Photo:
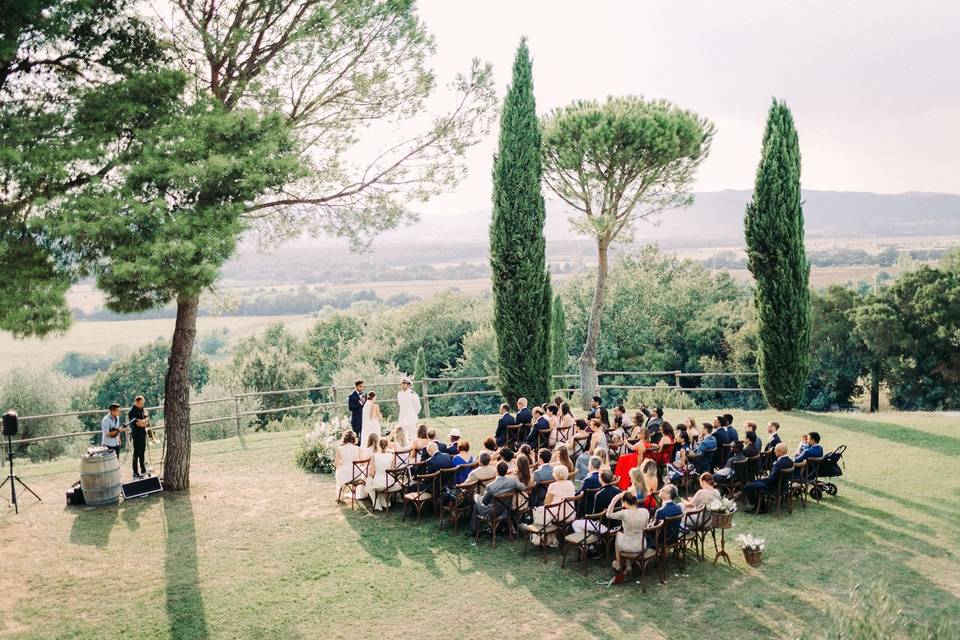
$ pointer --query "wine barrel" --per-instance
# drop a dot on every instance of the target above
(100, 477)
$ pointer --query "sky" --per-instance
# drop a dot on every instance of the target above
(873, 85)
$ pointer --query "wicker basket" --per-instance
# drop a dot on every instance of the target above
(752, 556)
(721, 520)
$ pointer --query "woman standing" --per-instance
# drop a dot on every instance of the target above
(371, 417)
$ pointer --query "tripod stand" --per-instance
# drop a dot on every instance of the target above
(13, 479)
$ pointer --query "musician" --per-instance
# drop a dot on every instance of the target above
(138, 421)
(110, 429)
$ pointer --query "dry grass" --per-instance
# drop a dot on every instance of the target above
(257, 549)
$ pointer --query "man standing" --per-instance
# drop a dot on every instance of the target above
(355, 404)
(110, 429)
(137, 418)
(409, 403)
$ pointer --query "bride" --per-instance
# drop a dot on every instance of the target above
(371, 417)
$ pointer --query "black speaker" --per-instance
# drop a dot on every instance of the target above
(10, 423)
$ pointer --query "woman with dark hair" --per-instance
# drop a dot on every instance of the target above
(567, 422)
(707, 493)
(525, 452)
(562, 457)
(463, 457)
(524, 474)
(490, 446)
(343, 460)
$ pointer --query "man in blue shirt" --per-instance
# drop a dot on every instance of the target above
(110, 428)
(813, 450)
(703, 455)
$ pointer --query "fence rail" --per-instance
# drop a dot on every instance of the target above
(236, 415)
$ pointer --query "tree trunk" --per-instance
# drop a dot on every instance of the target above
(176, 397)
(875, 387)
(588, 359)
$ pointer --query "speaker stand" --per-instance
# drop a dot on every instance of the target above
(13, 480)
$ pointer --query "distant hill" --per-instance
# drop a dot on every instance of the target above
(716, 218)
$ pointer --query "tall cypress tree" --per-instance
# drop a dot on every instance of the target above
(778, 261)
(521, 282)
(558, 342)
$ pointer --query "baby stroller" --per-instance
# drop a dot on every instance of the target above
(829, 468)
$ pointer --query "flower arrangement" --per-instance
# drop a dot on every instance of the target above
(316, 453)
(749, 542)
(722, 506)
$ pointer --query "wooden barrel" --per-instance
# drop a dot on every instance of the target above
(100, 477)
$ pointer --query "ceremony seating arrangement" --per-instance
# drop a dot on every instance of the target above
(521, 492)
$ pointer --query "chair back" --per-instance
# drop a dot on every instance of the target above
(503, 503)
(813, 468)
(589, 498)
(671, 529)
(740, 470)
(360, 470)
(752, 470)
(783, 481)
(655, 532)
(397, 479)
(563, 433)
(447, 477)
(693, 519)
(513, 433)
(401, 457)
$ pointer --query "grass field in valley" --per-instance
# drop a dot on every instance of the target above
(258, 549)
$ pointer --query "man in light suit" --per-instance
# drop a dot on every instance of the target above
(355, 404)
(753, 489)
(485, 503)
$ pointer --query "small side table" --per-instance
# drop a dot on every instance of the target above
(722, 522)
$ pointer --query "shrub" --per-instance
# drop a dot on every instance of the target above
(81, 365)
(33, 392)
(213, 342)
(316, 453)
(225, 428)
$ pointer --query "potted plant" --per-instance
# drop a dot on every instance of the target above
(752, 548)
(721, 510)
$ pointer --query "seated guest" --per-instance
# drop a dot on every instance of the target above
(654, 420)
(343, 460)
(582, 465)
(597, 503)
(561, 489)
(505, 421)
(505, 454)
(432, 437)
(598, 411)
(727, 473)
(813, 448)
(453, 438)
(540, 425)
(751, 426)
(567, 421)
(523, 413)
(490, 446)
(668, 509)
(720, 432)
(773, 428)
(580, 433)
(732, 434)
(592, 481)
(622, 419)
(753, 489)
(753, 444)
(436, 461)
(526, 452)
(484, 471)
(562, 457)
(702, 456)
(707, 493)
(463, 457)
(809, 447)
(667, 444)
(631, 538)
(648, 470)
(485, 503)
(545, 469)
(524, 473)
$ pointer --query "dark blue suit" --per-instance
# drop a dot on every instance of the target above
(669, 510)
(505, 421)
(541, 425)
(774, 441)
(524, 416)
(592, 481)
(355, 404)
(732, 433)
(437, 462)
(603, 499)
(769, 483)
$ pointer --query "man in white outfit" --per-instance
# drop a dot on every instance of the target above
(409, 403)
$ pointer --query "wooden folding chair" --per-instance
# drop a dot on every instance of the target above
(694, 528)
(677, 546)
(463, 502)
(780, 494)
(397, 483)
(421, 494)
(650, 554)
(499, 513)
(798, 482)
(358, 478)
(515, 433)
(591, 535)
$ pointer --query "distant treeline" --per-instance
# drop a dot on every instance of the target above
(268, 303)
(837, 257)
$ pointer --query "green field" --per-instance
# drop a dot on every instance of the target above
(258, 549)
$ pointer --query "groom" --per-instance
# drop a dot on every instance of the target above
(355, 404)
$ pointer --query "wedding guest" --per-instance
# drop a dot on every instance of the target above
(540, 425)
(561, 489)
(597, 410)
(707, 493)
(419, 444)
(727, 474)
(591, 481)
(343, 460)
(732, 434)
(648, 468)
(773, 429)
(453, 438)
(597, 503)
(545, 469)
(526, 451)
(484, 471)
(562, 456)
(524, 474)
(505, 454)
(398, 439)
(553, 417)
(463, 457)
(436, 461)
(567, 421)
(490, 446)
(523, 413)
(749, 426)
(377, 474)
(752, 490)
(669, 509)
(634, 520)
(753, 444)
(506, 420)
(502, 484)
(370, 446)
(812, 449)
(702, 456)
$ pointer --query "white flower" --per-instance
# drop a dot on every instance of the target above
(750, 542)
(722, 505)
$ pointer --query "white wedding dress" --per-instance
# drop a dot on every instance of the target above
(369, 425)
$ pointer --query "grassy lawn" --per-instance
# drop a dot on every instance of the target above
(258, 549)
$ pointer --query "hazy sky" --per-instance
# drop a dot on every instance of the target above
(873, 85)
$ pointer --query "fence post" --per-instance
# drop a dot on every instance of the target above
(426, 398)
(676, 378)
(236, 416)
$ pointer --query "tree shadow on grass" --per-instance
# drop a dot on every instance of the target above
(946, 445)
(185, 614)
(950, 516)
